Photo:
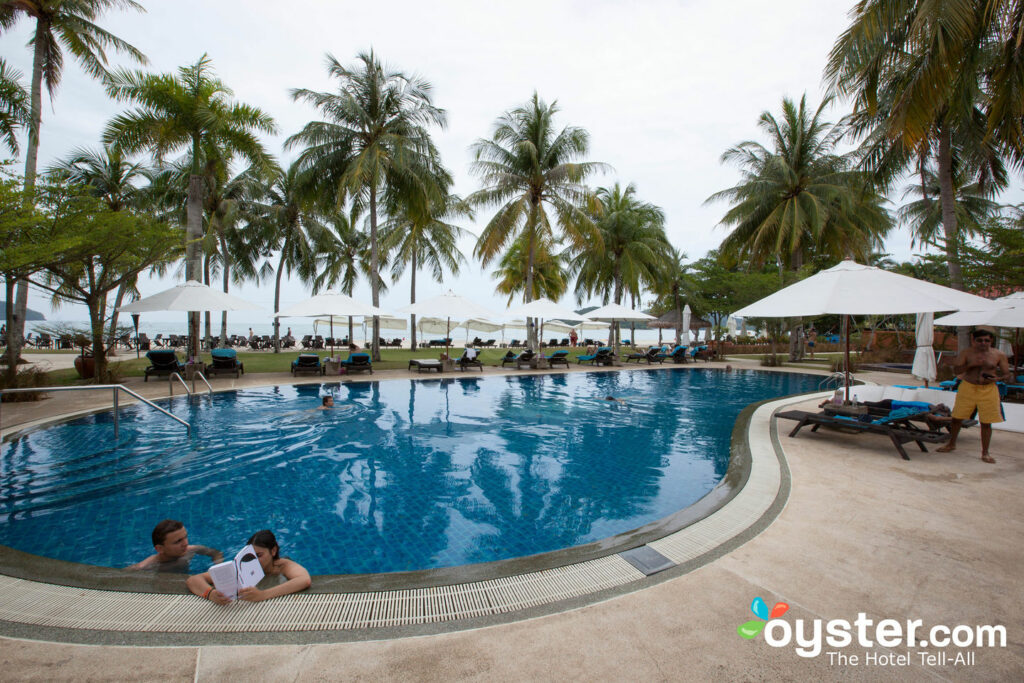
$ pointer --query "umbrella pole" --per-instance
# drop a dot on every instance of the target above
(332, 336)
(846, 359)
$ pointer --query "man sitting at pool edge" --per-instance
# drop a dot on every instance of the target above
(173, 553)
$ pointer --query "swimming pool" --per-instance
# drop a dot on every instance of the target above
(401, 475)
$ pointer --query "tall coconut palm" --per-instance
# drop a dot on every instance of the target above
(374, 144)
(112, 177)
(672, 284)
(190, 111)
(415, 239)
(14, 110)
(528, 168)
(67, 24)
(974, 203)
(799, 196)
(922, 71)
(291, 223)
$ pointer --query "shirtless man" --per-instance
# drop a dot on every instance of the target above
(173, 553)
(979, 368)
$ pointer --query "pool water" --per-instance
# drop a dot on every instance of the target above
(400, 475)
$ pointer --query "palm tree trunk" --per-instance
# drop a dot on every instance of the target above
(226, 280)
(99, 355)
(118, 298)
(679, 315)
(949, 223)
(206, 315)
(16, 330)
(277, 298)
(374, 284)
(412, 298)
(13, 340)
(531, 331)
(193, 255)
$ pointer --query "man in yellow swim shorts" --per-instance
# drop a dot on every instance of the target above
(979, 368)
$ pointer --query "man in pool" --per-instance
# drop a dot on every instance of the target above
(979, 368)
(327, 403)
(173, 553)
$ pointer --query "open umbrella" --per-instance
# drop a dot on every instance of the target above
(480, 325)
(190, 296)
(545, 309)
(329, 305)
(448, 305)
(1009, 313)
(616, 312)
(854, 289)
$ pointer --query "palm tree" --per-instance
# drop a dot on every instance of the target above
(14, 109)
(974, 204)
(414, 238)
(110, 176)
(527, 168)
(550, 272)
(673, 282)
(925, 75)
(291, 222)
(71, 25)
(189, 111)
(373, 145)
(799, 197)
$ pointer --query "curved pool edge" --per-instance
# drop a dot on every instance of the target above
(358, 608)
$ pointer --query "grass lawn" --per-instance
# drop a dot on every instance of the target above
(258, 362)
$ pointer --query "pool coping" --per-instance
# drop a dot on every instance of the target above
(669, 536)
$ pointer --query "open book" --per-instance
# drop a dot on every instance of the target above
(242, 572)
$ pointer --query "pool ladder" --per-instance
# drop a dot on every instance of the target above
(195, 373)
(114, 388)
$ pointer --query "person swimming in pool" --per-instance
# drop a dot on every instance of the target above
(612, 398)
(281, 576)
(173, 552)
(327, 403)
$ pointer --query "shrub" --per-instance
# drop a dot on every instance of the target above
(27, 378)
(771, 360)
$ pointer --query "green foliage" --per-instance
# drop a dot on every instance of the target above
(719, 290)
(14, 106)
(799, 198)
(24, 379)
(995, 264)
(550, 273)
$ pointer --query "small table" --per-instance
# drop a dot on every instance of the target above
(192, 368)
(332, 367)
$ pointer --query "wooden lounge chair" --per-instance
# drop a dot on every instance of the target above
(225, 361)
(899, 430)
(308, 362)
(422, 364)
(603, 356)
(470, 358)
(678, 354)
(524, 358)
(652, 355)
(509, 357)
(357, 362)
(162, 363)
(559, 358)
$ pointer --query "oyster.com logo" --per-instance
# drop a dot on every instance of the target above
(759, 607)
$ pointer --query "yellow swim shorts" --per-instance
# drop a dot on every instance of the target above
(984, 397)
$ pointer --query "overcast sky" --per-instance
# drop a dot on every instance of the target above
(662, 87)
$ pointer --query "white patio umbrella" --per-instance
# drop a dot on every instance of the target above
(448, 305)
(1009, 314)
(428, 325)
(924, 356)
(190, 296)
(330, 305)
(684, 338)
(545, 309)
(730, 326)
(854, 289)
(480, 325)
(616, 312)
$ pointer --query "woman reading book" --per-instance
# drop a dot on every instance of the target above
(281, 575)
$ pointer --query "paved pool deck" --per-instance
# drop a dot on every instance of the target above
(936, 538)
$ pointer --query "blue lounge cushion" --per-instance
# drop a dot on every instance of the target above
(223, 354)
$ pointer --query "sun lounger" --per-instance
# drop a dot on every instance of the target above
(225, 361)
(678, 354)
(524, 358)
(308, 362)
(559, 358)
(422, 364)
(603, 356)
(357, 362)
(162, 363)
(469, 359)
(509, 357)
(898, 429)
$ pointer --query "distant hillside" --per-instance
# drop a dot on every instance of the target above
(30, 315)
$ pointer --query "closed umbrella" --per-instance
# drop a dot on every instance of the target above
(924, 357)
(684, 338)
(190, 296)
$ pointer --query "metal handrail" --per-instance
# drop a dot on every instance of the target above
(114, 387)
(209, 387)
(170, 383)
